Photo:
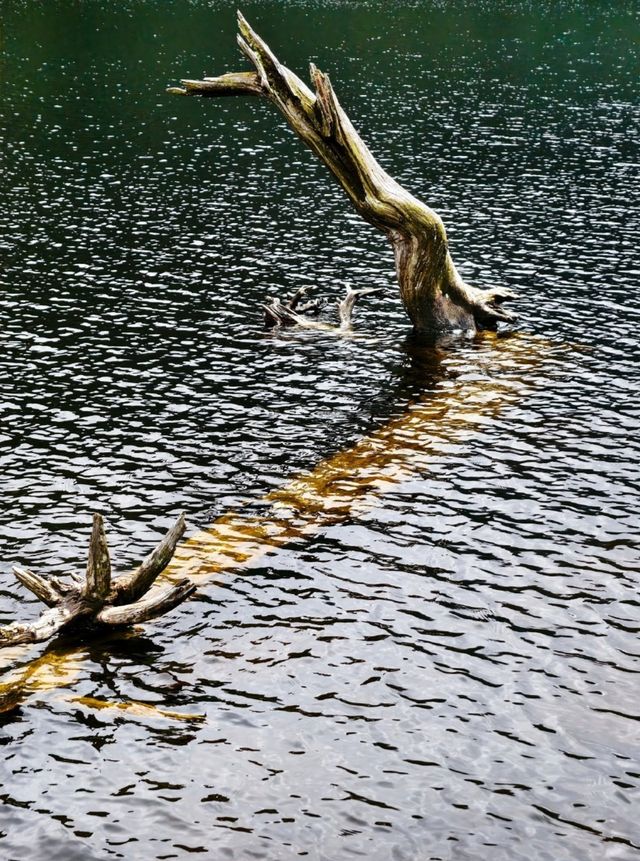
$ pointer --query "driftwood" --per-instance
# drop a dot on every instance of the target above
(434, 294)
(99, 601)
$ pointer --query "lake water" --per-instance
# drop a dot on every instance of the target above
(445, 668)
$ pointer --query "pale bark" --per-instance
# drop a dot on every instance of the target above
(99, 601)
(436, 298)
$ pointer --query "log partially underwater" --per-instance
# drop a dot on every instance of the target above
(293, 313)
(434, 294)
(99, 601)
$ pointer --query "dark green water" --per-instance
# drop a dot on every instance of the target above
(452, 674)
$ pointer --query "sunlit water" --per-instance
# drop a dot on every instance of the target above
(449, 671)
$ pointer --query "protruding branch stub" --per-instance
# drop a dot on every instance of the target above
(98, 601)
(98, 577)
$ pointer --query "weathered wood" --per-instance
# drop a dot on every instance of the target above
(50, 623)
(44, 590)
(345, 308)
(97, 601)
(277, 313)
(129, 588)
(148, 607)
(434, 294)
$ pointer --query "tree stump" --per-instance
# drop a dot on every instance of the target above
(434, 294)
(99, 602)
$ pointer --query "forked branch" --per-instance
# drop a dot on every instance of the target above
(99, 601)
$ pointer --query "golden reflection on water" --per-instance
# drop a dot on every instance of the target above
(341, 486)
(51, 670)
(135, 709)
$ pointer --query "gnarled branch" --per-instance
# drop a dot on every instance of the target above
(148, 607)
(98, 577)
(130, 588)
(434, 295)
(46, 591)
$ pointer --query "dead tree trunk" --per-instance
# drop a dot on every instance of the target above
(435, 296)
(99, 602)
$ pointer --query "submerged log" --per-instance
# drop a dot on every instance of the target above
(343, 486)
(99, 602)
(434, 294)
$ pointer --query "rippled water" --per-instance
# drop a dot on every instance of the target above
(443, 663)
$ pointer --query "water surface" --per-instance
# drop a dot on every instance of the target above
(446, 672)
